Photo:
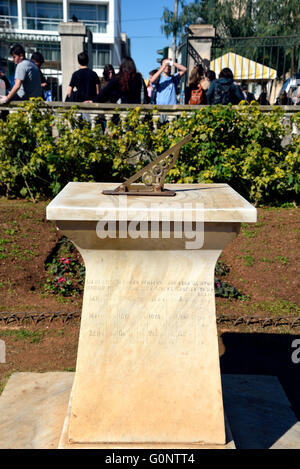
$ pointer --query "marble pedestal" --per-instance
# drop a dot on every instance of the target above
(147, 372)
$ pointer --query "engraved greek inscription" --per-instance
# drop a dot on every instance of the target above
(182, 316)
(133, 282)
(99, 288)
(118, 333)
(153, 316)
(96, 316)
(122, 316)
(96, 333)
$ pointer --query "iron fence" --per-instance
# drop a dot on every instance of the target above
(231, 320)
(275, 60)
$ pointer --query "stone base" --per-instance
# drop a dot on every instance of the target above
(64, 442)
(33, 409)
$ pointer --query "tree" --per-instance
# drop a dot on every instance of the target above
(280, 18)
(237, 18)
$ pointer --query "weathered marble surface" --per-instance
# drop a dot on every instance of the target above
(148, 366)
(32, 410)
(84, 201)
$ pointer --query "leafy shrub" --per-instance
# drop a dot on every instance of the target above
(239, 146)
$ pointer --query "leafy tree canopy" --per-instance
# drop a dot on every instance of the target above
(237, 18)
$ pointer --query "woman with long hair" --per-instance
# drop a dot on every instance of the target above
(127, 87)
(108, 72)
(194, 84)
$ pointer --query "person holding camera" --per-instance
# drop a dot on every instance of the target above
(166, 83)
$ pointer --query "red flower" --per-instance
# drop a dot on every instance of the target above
(64, 260)
(61, 280)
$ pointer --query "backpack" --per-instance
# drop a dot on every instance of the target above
(197, 96)
(175, 82)
(153, 95)
(224, 93)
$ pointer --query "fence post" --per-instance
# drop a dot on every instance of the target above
(72, 43)
(199, 45)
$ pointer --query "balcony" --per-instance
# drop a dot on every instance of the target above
(41, 24)
(51, 24)
(95, 26)
(8, 23)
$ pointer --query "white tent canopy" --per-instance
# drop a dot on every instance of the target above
(242, 68)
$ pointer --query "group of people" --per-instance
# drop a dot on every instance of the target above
(204, 88)
(125, 87)
(128, 86)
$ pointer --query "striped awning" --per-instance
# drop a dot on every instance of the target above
(242, 68)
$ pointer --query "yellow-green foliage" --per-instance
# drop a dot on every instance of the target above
(239, 146)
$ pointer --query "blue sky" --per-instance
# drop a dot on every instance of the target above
(141, 20)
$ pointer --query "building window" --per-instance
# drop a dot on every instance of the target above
(51, 52)
(43, 15)
(101, 55)
(8, 13)
(94, 16)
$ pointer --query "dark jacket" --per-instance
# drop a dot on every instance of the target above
(113, 92)
(224, 91)
(249, 97)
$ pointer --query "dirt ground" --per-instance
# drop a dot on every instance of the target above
(264, 262)
(264, 266)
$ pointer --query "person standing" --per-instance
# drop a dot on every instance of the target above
(166, 83)
(248, 96)
(85, 83)
(151, 88)
(263, 97)
(6, 85)
(223, 90)
(108, 74)
(194, 93)
(209, 77)
(27, 78)
(38, 59)
(127, 87)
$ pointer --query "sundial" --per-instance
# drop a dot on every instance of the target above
(152, 175)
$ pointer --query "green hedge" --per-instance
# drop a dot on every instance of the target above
(239, 146)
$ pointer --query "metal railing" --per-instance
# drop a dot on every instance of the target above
(276, 59)
(8, 22)
(281, 53)
(95, 26)
(41, 24)
(51, 24)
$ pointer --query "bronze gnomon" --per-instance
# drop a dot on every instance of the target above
(152, 175)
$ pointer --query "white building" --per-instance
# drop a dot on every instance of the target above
(33, 23)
